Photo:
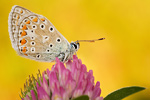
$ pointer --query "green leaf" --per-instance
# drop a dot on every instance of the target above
(83, 97)
(123, 92)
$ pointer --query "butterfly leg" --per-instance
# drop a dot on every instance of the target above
(61, 56)
(75, 53)
(67, 57)
(53, 66)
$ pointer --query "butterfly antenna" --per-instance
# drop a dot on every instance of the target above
(89, 40)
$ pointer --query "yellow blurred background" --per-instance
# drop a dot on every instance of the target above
(122, 59)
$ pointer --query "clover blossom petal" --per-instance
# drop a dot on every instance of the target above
(63, 83)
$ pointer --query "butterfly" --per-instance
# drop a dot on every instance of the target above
(34, 36)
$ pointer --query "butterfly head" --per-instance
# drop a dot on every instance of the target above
(75, 46)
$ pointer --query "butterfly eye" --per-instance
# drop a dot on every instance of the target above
(75, 46)
(51, 29)
(42, 26)
(58, 40)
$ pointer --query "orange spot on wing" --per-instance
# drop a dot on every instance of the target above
(21, 11)
(42, 19)
(17, 23)
(28, 22)
(25, 54)
(18, 17)
(23, 33)
(23, 41)
(24, 27)
(35, 19)
(24, 49)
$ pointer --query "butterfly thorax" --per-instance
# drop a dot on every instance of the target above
(73, 48)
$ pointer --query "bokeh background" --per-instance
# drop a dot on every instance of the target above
(122, 59)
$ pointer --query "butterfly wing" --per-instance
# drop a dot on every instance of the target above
(33, 36)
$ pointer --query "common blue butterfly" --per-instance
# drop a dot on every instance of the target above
(33, 36)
